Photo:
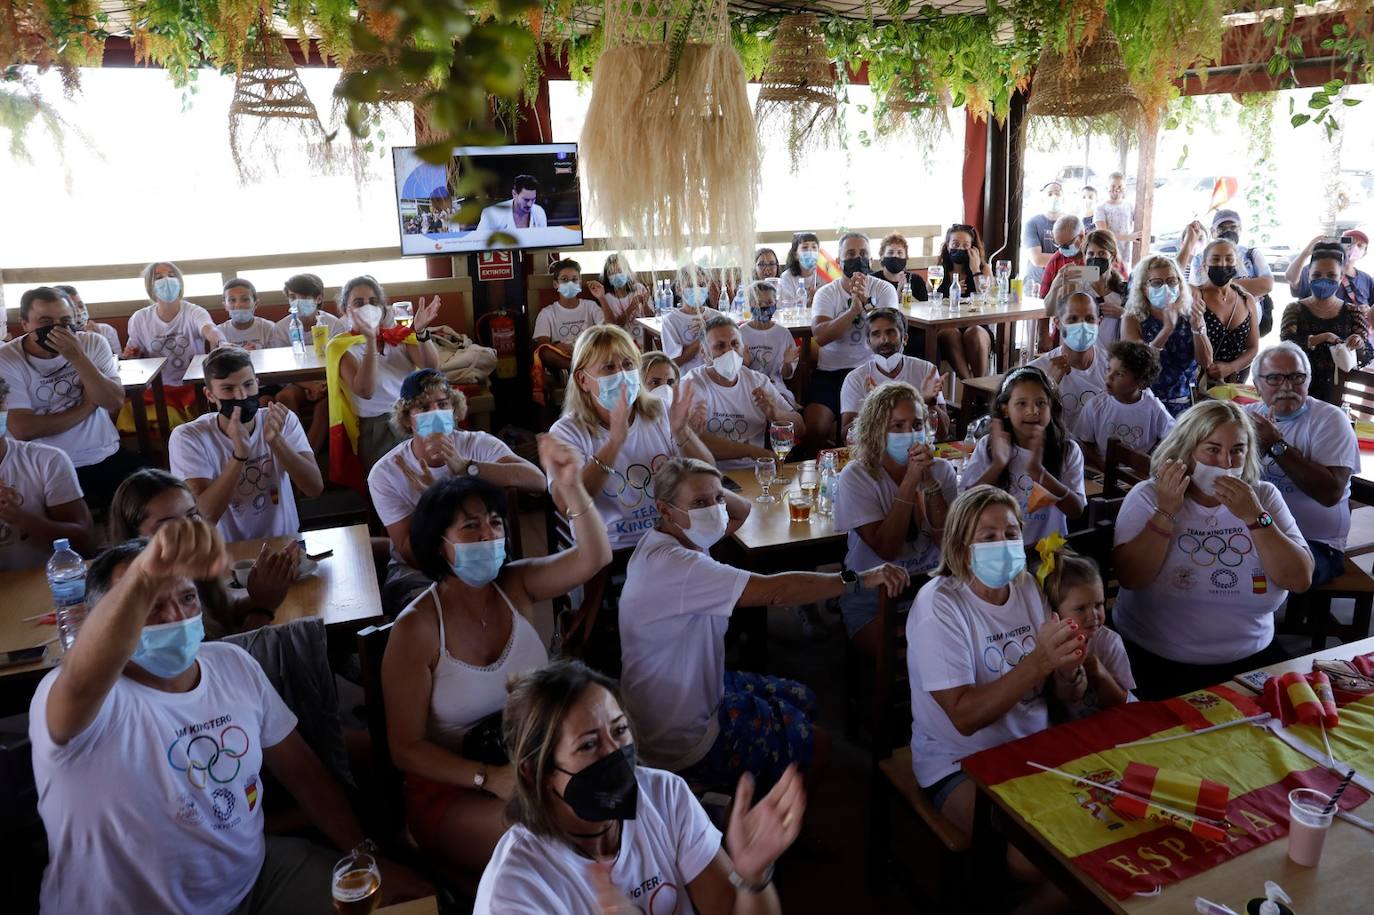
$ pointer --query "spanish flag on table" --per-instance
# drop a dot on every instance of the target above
(345, 468)
(1128, 853)
(1297, 698)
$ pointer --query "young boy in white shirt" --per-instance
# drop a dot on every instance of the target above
(1129, 410)
(559, 324)
(244, 328)
(769, 348)
(305, 294)
(242, 466)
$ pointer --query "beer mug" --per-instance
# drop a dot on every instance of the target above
(357, 884)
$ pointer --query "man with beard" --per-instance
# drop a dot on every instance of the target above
(886, 335)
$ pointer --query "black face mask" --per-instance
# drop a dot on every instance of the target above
(1231, 235)
(605, 790)
(40, 336)
(248, 407)
(1220, 276)
(1101, 263)
(894, 264)
(853, 265)
(959, 255)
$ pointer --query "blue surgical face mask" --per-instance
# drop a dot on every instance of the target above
(620, 280)
(478, 564)
(167, 649)
(241, 315)
(569, 290)
(1080, 337)
(1324, 288)
(167, 289)
(694, 296)
(899, 444)
(608, 388)
(434, 422)
(998, 563)
(1163, 296)
(808, 259)
(1278, 418)
(1069, 250)
(763, 314)
(304, 307)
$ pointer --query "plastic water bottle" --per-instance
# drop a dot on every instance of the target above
(954, 293)
(297, 333)
(827, 485)
(738, 304)
(67, 581)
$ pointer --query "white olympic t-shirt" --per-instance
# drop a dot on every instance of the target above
(867, 376)
(1212, 602)
(681, 330)
(731, 412)
(1140, 425)
(1080, 386)
(562, 325)
(664, 848)
(43, 476)
(263, 503)
(863, 499)
(956, 638)
(259, 333)
(626, 499)
(1038, 523)
(770, 348)
(110, 335)
(392, 368)
(1322, 434)
(156, 807)
(178, 340)
(399, 478)
(674, 611)
(53, 385)
(851, 348)
(1110, 652)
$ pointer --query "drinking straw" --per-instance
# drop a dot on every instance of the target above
(1340, 789)
(1215, 824)
(1253, 719)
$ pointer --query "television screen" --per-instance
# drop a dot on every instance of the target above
(529, 194)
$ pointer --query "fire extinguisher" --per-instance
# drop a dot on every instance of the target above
(500, 336)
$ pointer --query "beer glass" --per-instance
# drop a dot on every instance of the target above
(357, 884)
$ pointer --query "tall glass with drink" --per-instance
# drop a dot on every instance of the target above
(357, 884)
(781, 437)
(765, 471)
(1308, 823)
(403, 312)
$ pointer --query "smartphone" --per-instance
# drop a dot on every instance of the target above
(1089, 274)
(22, 656)
(315, 551)
(730, 484)
(1347, 241)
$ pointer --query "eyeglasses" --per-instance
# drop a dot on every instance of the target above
(1275, 379)
(1160, 284)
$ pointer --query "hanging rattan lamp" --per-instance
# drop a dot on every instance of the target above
(797, 97)
(1096, 84)
(271, 109)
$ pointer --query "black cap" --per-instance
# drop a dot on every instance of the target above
(415, 382)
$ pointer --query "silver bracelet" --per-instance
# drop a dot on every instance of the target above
(745, 886)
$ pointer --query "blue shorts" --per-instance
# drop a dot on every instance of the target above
(858, 610)
(941, 790)
(765, 725)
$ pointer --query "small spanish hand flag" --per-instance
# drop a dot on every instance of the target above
(1038, 498)
(1295, 698)
(1156, 789)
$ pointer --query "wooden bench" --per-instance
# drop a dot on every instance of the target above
(1310, 613)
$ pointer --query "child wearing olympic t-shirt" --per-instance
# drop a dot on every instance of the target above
(1130, 412)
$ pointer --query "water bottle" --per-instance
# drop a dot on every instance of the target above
(954, 293)
(738, 304)
(297, 333)
(67, 581)
(829, 482)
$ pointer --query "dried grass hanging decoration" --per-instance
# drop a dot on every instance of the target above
(669, 148)
(797, 100)
(1089, 83)
(271, 112)
(922, 115)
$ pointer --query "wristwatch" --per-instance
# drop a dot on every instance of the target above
(473, 469)
(745, 886)
(422, 336)
(479, 780)
(1277, 450)
(1264, 520)
(852, 585)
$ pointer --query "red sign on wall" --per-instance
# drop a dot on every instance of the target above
(495, 265)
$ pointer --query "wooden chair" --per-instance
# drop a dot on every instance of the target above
(892, 777)
(1310, 613)
(1356, 390)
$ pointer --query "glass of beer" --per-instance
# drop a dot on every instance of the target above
(357, 884)
(809, 481)
(782, 436)
(404, 312)
(799, 507)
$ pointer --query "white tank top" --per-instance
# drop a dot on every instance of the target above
(464, 694)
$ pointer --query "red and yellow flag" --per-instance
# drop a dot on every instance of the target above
(1296, 698)
(1222, 192)
(345, 468)
(1156, 793)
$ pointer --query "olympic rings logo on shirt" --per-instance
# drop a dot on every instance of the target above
(734, 427)
(1127, 433)
(630, 487)
(1212, 549)
(998, 659)
(203, 759)
(1075, 402)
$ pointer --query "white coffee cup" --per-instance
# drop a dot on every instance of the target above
(241, 570)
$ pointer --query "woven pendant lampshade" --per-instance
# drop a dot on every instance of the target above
(1099, 84)
(669, 148)
(271, 109)
(797, 96)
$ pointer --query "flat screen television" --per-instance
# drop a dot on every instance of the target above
(529, 198)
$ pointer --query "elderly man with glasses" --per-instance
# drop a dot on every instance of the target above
(1308, 450)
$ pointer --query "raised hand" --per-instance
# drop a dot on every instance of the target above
(596, 290)
(620, 416)
(931, 387)
(684, 399)
(756, 837)
(1266, 429)
(1239, 498)
(273, 422)
(238, 435)
(560, 462)
(764, 401)
(1058, 647)
(425, 313)
(272, 575)
(1059, 368)
(1170, 486)
(999, 442)
(893, 579)
(919, 460)
(183, 548)
(63, 339)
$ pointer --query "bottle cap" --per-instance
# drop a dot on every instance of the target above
(60, 544)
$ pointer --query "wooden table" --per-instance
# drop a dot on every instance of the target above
(135, 375)
(427, 906)
(769, 528)
(274, 365)
(975, 396)
(1333, 888)
(924, 316)
(1304, 664)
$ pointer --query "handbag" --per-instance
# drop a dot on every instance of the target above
(484, 743)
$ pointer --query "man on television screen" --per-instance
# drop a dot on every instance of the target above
(521, 212)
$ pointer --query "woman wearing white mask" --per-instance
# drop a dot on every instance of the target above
(452, 651)
(983, 650)
(1161, 312)
(170, 326)
(893, 497)
(740, 402)
(622, 434)
(1206, 552)
(694, 717)
(682, 326)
